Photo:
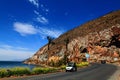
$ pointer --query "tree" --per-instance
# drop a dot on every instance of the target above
(50, 39)
(65, 56)
(66, 43)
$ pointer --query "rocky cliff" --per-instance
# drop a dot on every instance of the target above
(100, 38)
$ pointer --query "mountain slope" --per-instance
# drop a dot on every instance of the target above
(99, 37)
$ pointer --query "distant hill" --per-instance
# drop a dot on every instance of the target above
(100, 38)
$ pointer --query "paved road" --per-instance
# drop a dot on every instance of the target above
(94, 72)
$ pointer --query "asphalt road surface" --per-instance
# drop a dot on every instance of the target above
(94, 72)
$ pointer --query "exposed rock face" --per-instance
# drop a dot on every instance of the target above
(100, 38)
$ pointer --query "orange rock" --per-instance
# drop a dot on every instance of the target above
(115, 54)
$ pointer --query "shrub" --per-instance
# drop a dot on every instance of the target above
(39, 70)
(47, 70)
(3, 73)
(19, 71)
(53, 69)
(63, 67)
(82, 64)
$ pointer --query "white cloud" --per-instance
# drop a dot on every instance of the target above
(43, 8)
(41, 5)
(6, 46)
(47, 10)
(36, 12)
(40, 18)
(22, 48)
(49, 32)
(24, 29)
(14, 53)
(35, 2)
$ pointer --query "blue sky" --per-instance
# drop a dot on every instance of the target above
(24, 24)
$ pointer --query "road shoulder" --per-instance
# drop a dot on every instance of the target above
(116, 75)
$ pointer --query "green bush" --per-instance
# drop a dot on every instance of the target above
(82, 64)
(63, 67)
(39, 70)
(53, 69)
(19, 71)
(47, 70)
(3, 73)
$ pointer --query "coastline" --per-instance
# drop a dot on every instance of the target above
(40, 70)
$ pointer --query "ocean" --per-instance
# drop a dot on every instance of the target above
(11, 64)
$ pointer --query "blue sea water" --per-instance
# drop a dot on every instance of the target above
(11, 64)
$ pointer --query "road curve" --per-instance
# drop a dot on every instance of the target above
(94, 72)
